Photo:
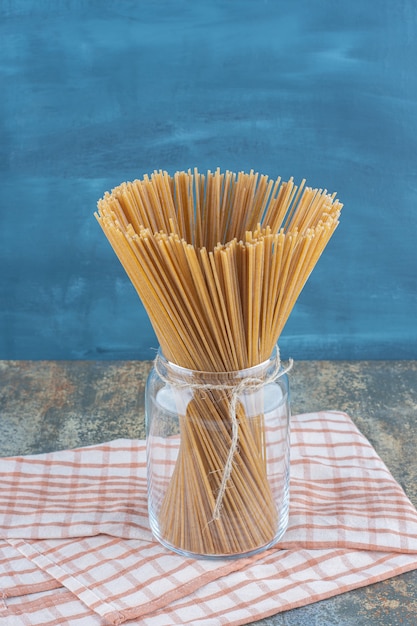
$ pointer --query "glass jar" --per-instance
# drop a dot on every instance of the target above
(218, 457)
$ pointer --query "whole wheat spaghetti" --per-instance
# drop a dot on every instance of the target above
(218, 261)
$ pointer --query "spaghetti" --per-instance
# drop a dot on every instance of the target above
(218, 261)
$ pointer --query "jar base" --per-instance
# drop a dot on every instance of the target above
(240, 555)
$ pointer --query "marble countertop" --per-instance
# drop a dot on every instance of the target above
(53, 405)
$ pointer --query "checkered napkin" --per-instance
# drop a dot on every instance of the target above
(76, 547)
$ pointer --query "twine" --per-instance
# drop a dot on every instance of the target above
(246, 384)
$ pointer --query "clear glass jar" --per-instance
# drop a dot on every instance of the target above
(218, 458)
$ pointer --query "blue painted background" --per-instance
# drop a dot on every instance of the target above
(95, 93)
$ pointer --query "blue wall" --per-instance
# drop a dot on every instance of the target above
(95, 93)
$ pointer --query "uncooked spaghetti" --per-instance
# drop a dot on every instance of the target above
(218, 261)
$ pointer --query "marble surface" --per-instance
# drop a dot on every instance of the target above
(52, 405)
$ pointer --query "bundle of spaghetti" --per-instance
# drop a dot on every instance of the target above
(218, 261)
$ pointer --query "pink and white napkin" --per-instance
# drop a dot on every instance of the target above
(76, 549)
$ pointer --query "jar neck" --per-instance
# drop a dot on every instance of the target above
(177, 374)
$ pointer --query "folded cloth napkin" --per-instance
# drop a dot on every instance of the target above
(76, 547)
